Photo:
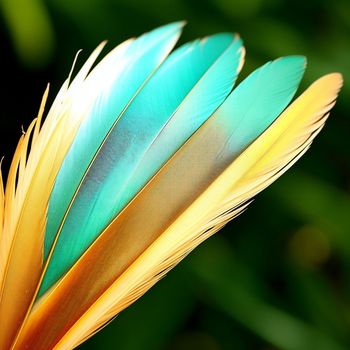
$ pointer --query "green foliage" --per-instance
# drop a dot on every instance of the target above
(278, 277)
(31, 30)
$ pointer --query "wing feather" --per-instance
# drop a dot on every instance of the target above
(158, 206)
(175, 101)
(2, 204)
(264, 160)
(28, 188)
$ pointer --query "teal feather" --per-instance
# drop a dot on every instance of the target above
(248, 111)
(193, 81)
(258, 101)
(138, 62)
(262, 97)
(203, 99)
(141, 158)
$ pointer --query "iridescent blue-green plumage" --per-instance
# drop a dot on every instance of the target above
(186, 89)
(258, 101)
(138, 161)
(176, 100)
(138, 63)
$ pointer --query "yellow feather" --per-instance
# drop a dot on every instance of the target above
(266, 159)
(6, 239)
(144, 258)
(2, 203)
(31, 180)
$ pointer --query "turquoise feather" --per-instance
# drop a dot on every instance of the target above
(258, 101)
(141, 158)
(246, 113)
(141, 59)
(203, 99)
(188, 82)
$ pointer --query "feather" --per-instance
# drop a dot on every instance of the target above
(188, 173)
(132, 66)
(2, 204)
(264, 161)
(139, 160)
(26, 201)
(156, 111)
(22, 268)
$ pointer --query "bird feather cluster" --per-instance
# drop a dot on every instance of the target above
(141, 157)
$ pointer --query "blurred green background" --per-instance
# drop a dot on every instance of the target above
(278, 277)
